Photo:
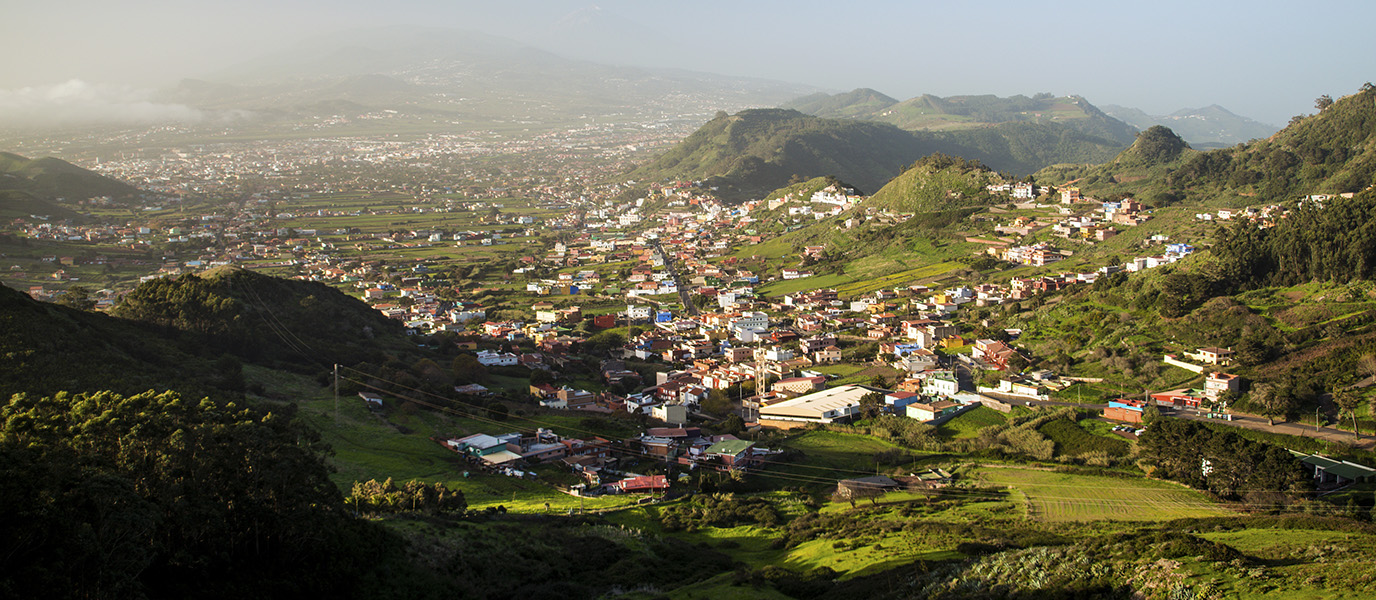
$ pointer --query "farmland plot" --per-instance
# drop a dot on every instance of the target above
(1055, 496)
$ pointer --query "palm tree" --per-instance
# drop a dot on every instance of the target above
(1348, 401)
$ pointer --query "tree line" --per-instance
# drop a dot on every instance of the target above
(1222, 462)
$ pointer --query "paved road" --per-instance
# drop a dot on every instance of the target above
(683, 294)
(1246, 421)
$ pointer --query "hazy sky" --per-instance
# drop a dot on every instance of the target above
(1261, 59)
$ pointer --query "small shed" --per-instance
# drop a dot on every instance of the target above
(865, 487)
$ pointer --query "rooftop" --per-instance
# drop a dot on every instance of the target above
(816, 404)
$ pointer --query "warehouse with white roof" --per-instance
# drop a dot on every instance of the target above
(833, 405)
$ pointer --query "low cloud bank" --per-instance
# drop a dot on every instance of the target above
(78, 102)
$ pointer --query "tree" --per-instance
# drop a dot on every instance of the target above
(1323, 102)
(718, 403)
(871, 405)
(77, 297)
(733, 424)
(1348, 401)
(541, 376)
(1272, 399)
(467, 369)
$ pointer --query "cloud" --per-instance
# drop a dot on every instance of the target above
(78, 102)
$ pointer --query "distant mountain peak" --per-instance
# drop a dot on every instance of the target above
(1210, 125)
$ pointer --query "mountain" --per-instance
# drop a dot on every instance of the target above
(755, 151)
(933, 113)
(1331, 152)
(455, 74)
(264, 319)
(49, 178)
(856, 103)
(31, 186)
(1212, 125)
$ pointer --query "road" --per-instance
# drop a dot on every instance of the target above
(1246, 421)
(683, 294)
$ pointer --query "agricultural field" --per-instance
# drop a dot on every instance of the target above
(967, 424)
(906, 277)
(1073, 440)
(1057, 497)
(833, 455)
(397, 444)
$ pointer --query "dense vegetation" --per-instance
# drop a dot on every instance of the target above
(1222, 462)
(49, 348)
(745, 156)
(1328, 152)
(263, 318)
(121, 496)
(1335, 241)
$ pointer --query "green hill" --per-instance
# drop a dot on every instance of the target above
(31, 186)
(934, 113)
(49, 348)
(858, 102)
(188, 334)
(1330, 152)
(1025, 147)
(936, 183)
(747, 155)
(265, 319)
(754, 152)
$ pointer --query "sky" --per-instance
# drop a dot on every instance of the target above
(1261, 59)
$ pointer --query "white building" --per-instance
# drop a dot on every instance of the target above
(491, 358)
(826, 406)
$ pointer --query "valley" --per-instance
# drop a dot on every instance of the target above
(685, 348)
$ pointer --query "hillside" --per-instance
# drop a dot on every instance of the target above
(1025, 147)
(190, 334)
(747, 155)
(32, 183)
(934, 113)
(856, 103)
(936, 183)
(49, 348)
(265, 319)
(1212, 125)
(1330, 152)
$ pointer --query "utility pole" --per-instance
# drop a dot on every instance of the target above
(336, 392)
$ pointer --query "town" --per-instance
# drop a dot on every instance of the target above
(703, 326)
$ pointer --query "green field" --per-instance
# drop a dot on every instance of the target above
(781, 287)
(833, 455)
(1072, 440)
(968, 423)
(1052, 496)
(867, 285)
(366, 445)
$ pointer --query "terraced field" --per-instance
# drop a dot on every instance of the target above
(1051, 496)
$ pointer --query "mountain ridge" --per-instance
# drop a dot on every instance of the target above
(1209, 125)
